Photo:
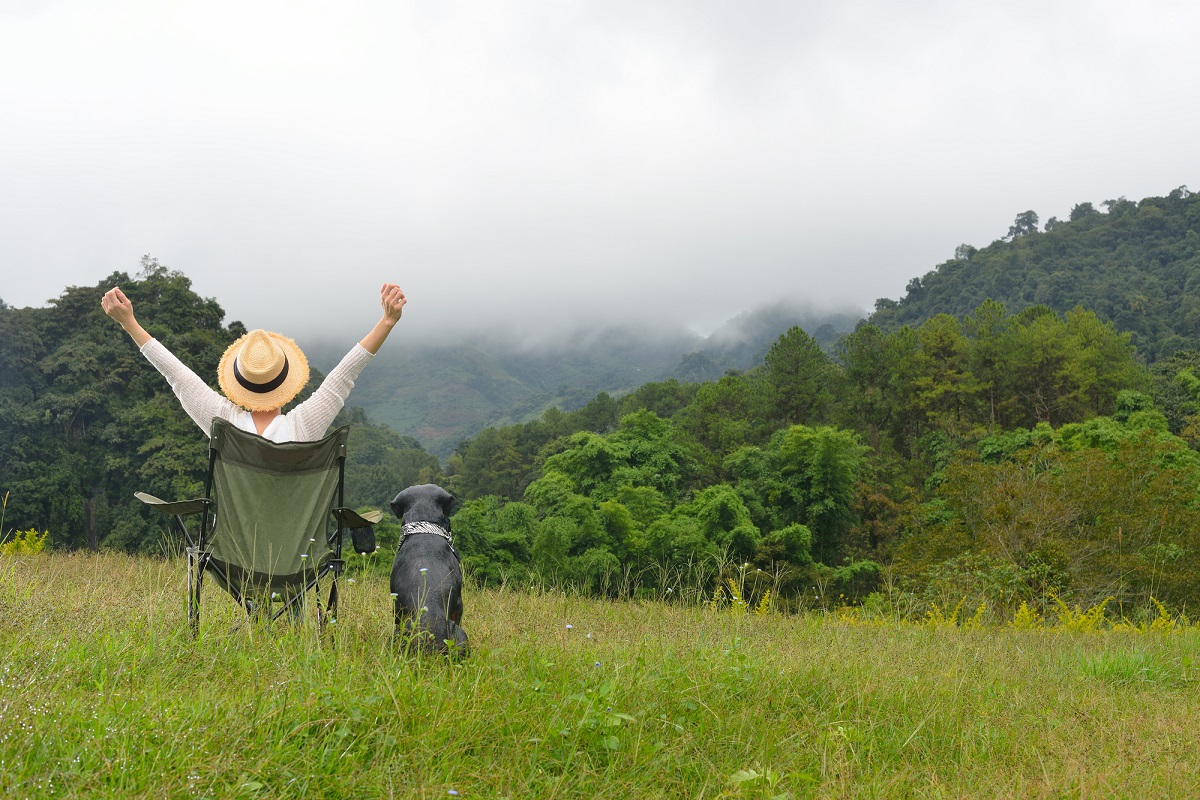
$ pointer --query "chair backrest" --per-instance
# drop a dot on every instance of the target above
(273, 504)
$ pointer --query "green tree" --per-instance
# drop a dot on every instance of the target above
(986, 330)
(644, 503)
(806, 476)
(799, 378)
(944, 385)
(723, 416)
(1065, 370)
(382, 462)
(475, 524)
(723, 520)
(1025, 224)
(1081, 210)
(868, 368)
(553, 496)
(512, 539)
(823, 465)
(655, 455)
(590, 462)
(492, 464)
(664, 398)
(789, 545)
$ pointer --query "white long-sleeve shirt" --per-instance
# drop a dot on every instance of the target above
(306, 422)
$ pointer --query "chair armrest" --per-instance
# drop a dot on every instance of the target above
(349, 518)
(177, 508)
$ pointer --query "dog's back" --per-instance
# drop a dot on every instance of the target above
(426, 576)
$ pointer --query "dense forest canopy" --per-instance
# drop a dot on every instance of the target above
(965, 442)
(1135, 264)
(831, 474)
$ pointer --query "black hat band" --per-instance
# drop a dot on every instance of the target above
(261, 388)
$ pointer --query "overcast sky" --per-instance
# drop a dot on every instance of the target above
(533, 163)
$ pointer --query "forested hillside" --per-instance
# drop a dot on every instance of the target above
(999, 455)
(1007, 458)
(84, 420)
(1136, 264)
(995, 455)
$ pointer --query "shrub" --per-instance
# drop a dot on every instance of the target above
(24, 543)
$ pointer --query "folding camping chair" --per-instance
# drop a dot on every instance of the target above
(265, 531)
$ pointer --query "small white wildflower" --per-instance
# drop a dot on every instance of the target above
(424, 570)
(394, 595)
(569, 626)
(351, 581)
(304, 555)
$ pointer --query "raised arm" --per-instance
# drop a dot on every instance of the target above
(117, 306)
(392, 299)
(313, 417)
(198, 399)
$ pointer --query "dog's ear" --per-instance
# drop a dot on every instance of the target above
(401, 502)
(445, 500)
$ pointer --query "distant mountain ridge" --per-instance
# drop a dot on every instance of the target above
(446, 393)
(742, 342)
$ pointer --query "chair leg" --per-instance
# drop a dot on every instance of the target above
(195, 579)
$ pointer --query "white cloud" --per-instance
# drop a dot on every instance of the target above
(542, 163)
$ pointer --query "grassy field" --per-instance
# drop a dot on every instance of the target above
(103, 694)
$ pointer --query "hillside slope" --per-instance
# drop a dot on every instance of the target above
(443, 394)
(1136, 264)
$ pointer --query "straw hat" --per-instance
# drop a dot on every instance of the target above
(262, 370)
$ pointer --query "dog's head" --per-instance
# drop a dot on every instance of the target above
(427, 502)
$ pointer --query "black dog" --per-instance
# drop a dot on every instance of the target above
(426, 576)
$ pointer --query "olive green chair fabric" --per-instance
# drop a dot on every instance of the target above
(271, 522)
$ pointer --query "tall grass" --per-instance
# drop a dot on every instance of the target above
(104, 694)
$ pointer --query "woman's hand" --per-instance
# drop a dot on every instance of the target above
(393, 300)
(117, 305)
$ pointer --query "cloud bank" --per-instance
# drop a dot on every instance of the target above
(537, 166)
